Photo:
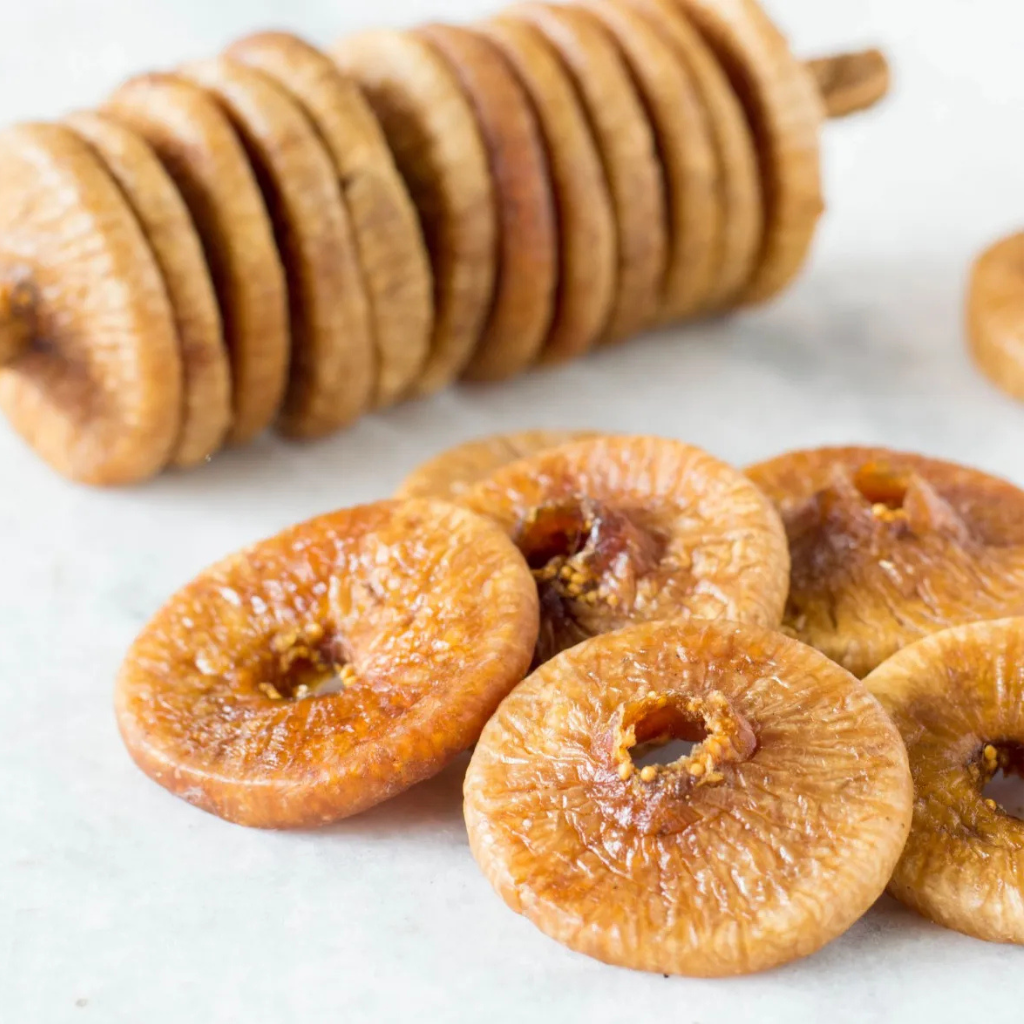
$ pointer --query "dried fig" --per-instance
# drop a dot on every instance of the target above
(165, 221)
(586, 220)
(333, 354)
(197, 145)
(90, 372)
(449, 474)
(620, 530)
(626, 145)
(995, 314)
(888, 547)
(785, 111)
(328, 668)
(957, 698)
(687, 157)
(392, 254)
(527, 231)
(738, 181)
(430, 127)
(769, 839)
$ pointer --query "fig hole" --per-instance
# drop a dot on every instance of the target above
(666, 735)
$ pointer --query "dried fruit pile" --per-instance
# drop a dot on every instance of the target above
(278, 236)
(322, 671)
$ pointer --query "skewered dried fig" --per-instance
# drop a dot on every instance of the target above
(333, 357)
(768, 840)
(90, 373)
(888, 547)
(197, 145)
(324, 670)
(586, 220)
(957, 698)
(430, 127)
(995, 314)
(449, 474)
(626, 145)
(620, 530)
(785, 111)
(392, 254)
(687, 156)
(527, 231)
(738, 182)
(165, 221)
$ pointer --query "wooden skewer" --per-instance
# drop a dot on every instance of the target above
(851, 82)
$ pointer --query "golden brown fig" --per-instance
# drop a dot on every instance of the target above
(958, 699)
(449, 474)
(586, 219)
(888, 547)
(785, 111)
(769, 839)
(90, 371)
(392, 254)
(197, 145)
(626, 145)
(165, 221)
(738, 181)
(326, 669)
(687, 156)
(995, 314)
(619, 530)
(528, 234)
(333, 353)
(430, 127)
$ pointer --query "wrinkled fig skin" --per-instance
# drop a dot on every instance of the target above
(958, 699)
(322, 671)
(889, 547)
(653, 529)
(449, 474)
(766, 842)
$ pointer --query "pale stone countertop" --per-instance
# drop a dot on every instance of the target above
(119, 903)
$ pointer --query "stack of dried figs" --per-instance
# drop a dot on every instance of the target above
(281, 236)
(572, 604)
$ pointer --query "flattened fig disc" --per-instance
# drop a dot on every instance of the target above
(586, 219)
(392, 254)
(767, 841)
(888, 547)
(620, 530)
(785, 112)
(626, 145)
(527, 232)
(165, 221)
(333, 353)
(450, 474)
(738, 178)
(197, 145)
(958, 699)
(322, 671)
(91, 376)
(430, 127)
(995, 314)
(687, 156)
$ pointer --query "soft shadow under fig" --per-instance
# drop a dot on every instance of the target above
(432, 806)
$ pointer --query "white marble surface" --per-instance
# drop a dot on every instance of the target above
(121, 904)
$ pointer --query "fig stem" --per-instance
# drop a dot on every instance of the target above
(851, 82)
(17, 316)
